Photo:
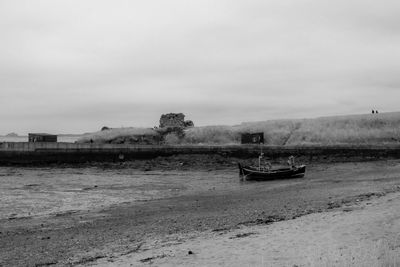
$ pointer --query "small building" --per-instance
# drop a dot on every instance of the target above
(42, 137)
(252, 138)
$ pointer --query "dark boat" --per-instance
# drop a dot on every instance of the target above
(254, 173)
(269, 173)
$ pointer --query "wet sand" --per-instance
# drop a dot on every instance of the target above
(181, 205)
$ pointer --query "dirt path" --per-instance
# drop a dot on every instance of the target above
(365, 234)
(86, 237)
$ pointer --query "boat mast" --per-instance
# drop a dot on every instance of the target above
(260, 157)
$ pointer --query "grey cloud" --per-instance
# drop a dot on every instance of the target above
(100, 61)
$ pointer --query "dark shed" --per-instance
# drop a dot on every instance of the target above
(253, 138)
(42, 137)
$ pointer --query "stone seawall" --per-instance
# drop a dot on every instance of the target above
(43, 153)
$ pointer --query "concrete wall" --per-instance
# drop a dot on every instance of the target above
(32, 153)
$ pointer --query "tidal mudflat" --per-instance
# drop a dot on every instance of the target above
(33, 192)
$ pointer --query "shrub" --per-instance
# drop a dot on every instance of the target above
(171, 139)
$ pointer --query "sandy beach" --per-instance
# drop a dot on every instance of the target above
(199, 214)
(362, 234)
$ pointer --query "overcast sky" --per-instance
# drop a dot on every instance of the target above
(75, 66)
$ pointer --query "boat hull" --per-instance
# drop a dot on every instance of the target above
(251, 173)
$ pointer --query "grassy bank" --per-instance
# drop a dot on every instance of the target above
(365, 129)
(116, 135)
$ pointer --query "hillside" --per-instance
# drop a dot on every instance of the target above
(383, 128)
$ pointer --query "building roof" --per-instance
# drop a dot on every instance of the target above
(42, 134)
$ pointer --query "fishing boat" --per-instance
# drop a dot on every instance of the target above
(269, 173)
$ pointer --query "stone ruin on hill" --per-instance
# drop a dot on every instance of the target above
(172, 126)
(175, 120)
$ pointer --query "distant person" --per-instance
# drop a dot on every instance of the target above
(373, 111)
(91, 141)
(376, 112)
